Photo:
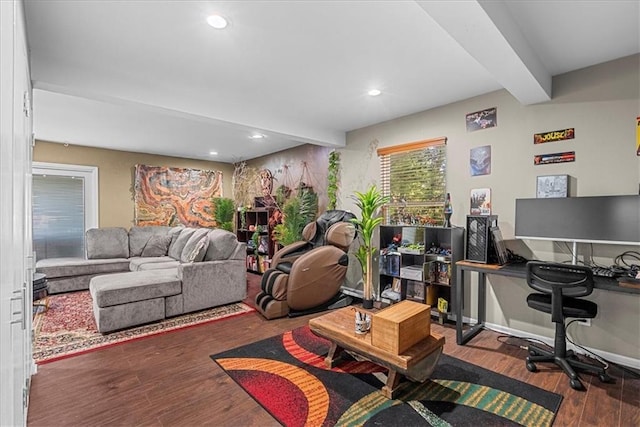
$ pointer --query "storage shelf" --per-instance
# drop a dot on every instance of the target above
(417, 269)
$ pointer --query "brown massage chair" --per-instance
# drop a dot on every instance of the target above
(305, 276)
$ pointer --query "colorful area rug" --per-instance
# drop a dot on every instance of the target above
(286, 375)
(64, 326)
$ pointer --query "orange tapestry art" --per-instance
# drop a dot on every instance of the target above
(173, 196)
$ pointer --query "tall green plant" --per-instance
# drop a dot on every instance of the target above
(293, 222)
(224, 210)
(296, 213)
(369, 203)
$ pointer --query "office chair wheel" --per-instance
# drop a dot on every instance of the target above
(531, 367)
(576, 384)
(605, 378)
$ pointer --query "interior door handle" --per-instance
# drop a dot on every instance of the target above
(21, 297)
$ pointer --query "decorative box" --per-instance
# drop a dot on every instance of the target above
(413, 272)
(397, 328)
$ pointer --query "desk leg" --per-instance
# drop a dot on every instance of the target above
(461, 336)
(459, 302)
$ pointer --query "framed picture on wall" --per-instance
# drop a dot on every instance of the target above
(550, 186)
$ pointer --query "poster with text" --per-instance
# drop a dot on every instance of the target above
(482, 119)
(481, 201)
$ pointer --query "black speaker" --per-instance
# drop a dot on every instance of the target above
(478, 246)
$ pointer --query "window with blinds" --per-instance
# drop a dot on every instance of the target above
(414, 177)
(58, 216)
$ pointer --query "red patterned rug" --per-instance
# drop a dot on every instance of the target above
(287, 376)
(66, 327)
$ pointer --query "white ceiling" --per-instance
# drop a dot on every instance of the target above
(153, 77)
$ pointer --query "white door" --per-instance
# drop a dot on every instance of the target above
(15, 248)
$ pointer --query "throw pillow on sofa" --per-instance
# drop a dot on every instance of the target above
(107, 242)
(156, 246)
(139, 236)
(178, 243)
(197, 253)
(191, 249)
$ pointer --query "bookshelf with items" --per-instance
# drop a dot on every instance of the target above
(420, 262)
(253, 228)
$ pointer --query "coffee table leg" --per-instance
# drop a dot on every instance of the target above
(393, 380)
(334, 356)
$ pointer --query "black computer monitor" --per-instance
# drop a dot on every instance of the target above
(599, 219)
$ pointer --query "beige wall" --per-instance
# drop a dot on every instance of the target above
(601, 103)
(115, 174)
(288, 168)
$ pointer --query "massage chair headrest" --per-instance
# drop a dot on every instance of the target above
(322, 230)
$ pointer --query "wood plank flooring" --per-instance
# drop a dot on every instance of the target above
(169, 380)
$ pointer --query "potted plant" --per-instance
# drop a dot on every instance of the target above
(369, 203)
(223, 212)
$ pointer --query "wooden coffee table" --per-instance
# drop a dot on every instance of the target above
(417, 363)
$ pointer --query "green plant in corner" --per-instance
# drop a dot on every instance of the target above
(223, 212)
(296, 213)
(290, 230)
(369, 203)
(332, 179)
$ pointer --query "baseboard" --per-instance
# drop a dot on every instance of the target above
(612, 357)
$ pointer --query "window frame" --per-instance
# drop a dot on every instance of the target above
(385, 181)
(90, 176)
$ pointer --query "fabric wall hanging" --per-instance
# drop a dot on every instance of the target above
(173, 196)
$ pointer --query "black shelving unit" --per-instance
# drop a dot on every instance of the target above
(423, 259)
(246, 222)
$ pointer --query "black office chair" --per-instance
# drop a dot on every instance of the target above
(561, 285)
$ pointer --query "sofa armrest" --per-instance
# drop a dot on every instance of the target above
(212, 283)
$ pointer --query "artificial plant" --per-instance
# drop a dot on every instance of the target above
(223, 212)
(332, 179)
(296, 213)
(369, 203)
(290, 230)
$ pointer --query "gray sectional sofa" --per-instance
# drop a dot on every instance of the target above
(150, 273)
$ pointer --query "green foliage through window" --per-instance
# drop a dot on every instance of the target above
(415, 180)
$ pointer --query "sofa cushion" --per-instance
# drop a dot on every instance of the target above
(70, 267)
(136, 263)
(196, 246)
(156, 246)
(122, 288)
(139, 238)
(107, 242)
(159, 265)
(179, 242)
(222, 244)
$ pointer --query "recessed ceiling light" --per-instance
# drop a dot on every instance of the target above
(374, 92)
(257, 136)
(217, 21)
(213, 153)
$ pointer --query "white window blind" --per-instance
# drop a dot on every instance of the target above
(58, 216)
(414, 177)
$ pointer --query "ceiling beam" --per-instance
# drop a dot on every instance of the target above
(487, 31)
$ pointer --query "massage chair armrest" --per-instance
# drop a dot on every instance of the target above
(290, 253)
(316, 277)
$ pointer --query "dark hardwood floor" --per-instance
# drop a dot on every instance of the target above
(169, 380)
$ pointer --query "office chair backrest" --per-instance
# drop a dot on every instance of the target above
(560, 279)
